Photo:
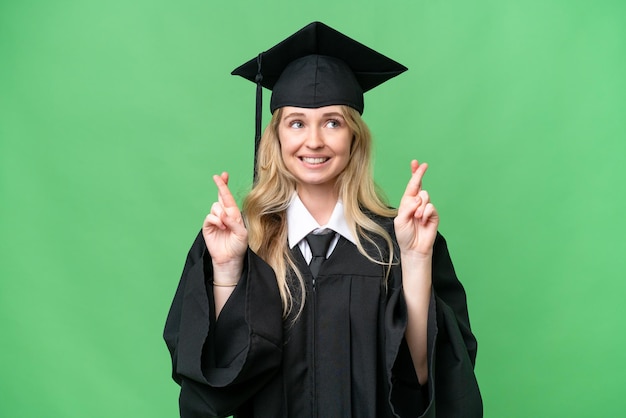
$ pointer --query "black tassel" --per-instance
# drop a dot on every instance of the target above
(259, 112)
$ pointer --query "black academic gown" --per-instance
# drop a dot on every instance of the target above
(344, 356)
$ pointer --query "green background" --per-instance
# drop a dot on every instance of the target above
(115, 114)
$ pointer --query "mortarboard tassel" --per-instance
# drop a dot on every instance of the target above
(259, 111)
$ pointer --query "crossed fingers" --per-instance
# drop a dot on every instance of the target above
(224, 212)
(414, 186)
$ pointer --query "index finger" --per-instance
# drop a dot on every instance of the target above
(224, 177)
(224, 195)
(414, 185)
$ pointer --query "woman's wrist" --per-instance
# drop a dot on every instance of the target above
(227, 275)
(220, 284)
(416, 257)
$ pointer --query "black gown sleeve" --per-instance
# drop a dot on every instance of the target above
(221, 364)
(452, 390)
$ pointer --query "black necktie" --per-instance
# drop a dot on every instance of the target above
(319, 247)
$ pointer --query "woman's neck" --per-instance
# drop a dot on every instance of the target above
(320, 203)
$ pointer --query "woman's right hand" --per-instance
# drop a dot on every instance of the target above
(225, 234)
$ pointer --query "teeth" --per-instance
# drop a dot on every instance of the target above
(317, 160)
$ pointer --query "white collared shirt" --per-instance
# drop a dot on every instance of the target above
(300, 223)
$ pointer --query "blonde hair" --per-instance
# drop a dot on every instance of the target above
(265, 206)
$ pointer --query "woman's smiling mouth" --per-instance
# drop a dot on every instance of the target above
(314, 160)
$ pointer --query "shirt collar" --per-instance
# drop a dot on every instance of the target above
(300, 222)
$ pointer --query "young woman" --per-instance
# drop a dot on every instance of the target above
(372, 324)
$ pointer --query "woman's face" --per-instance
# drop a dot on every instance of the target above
(315, 144)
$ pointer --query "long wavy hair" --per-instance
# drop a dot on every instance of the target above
(265, 206)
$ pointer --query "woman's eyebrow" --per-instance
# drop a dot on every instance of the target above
(294, 114)
(303, 115)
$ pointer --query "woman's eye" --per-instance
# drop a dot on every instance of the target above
(296, 124)
(333, 123)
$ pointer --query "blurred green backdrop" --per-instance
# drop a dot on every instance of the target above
(115, 114)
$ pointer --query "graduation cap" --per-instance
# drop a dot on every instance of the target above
(315, 67)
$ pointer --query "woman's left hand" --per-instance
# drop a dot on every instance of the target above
(417, 220)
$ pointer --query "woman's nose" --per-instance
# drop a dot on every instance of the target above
(315, 139)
